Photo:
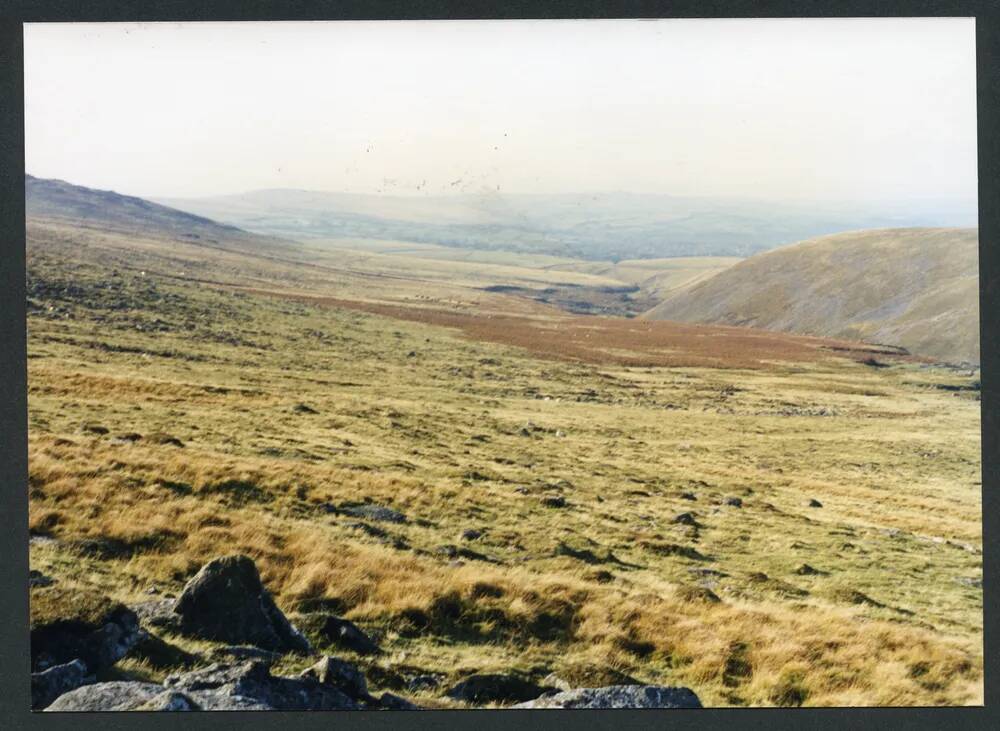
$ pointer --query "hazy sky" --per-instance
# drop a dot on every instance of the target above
(844, 109)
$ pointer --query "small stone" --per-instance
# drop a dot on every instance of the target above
(494, 688)
(392, 702)
(349, 636)
(813, 503)
(340, 675)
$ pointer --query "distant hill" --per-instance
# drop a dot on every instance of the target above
(59, 201)
(917, 288)
(611, 226)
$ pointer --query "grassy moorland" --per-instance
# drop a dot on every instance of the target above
(596, 497)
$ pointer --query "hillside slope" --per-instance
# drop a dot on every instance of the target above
(916, 288)
(61, 202)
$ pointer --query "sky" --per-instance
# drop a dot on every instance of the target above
(794, 109)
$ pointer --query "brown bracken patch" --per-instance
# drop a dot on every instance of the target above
(621, 341)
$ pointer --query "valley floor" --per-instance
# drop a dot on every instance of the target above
(831, 552)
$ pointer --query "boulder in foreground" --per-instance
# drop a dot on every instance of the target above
(618, 696)
(226, 602)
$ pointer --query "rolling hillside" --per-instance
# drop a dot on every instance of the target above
(609, 226)
(915, 288)
(59, 202)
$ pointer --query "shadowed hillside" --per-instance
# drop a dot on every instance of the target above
(62, 202)
(915, 288)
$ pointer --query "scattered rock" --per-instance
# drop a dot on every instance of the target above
(37, 578)
(304, 409)
(554, 501)
(688, 496)
(618, 696)
(470, 534)
(340, 675)
(735, 502)
(686, 519)
(67, 625)
(374, 512)
(129, 437)
(813, 503)
(807, 570)
(250, 686)
(494, 688)
(348, 635)
(225, 601)
(391, 702)
(95, 429)
(49, 684)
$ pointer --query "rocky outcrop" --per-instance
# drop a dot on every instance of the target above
(346, 634)
(494, 688)
(49, 684)
(330, 685)
(226, 601)
(618, 696)
(227, 687)
(68, 625)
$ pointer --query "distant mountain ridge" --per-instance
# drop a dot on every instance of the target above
(57, 200)
(606, 226)
(916, 288)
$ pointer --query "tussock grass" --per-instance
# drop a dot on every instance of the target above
(893, 459)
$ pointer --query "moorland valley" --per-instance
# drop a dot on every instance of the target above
(469, 459)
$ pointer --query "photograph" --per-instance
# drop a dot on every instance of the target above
(392, 365)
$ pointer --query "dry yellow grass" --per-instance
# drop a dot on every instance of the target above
(462, 434)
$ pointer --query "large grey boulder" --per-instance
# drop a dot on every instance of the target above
(618, 696)
(114, 696)
(49, 684)
(226, 602)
